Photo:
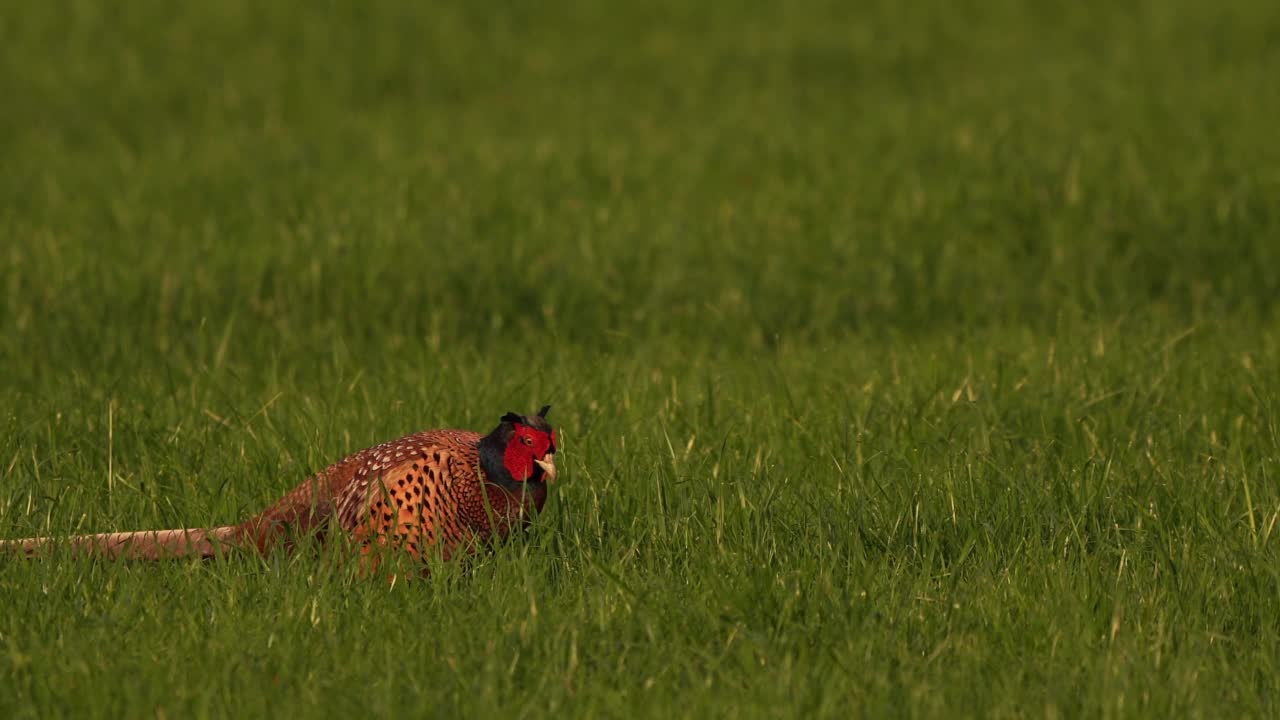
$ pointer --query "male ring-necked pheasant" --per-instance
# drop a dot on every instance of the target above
(432, 491)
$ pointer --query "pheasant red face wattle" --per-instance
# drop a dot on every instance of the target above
(530, 453)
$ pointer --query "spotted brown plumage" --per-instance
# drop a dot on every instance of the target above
(442, 491)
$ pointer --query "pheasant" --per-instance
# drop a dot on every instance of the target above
(440, 491)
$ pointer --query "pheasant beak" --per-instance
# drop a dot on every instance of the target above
(548, 465)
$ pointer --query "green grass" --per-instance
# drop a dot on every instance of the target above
(909, 359)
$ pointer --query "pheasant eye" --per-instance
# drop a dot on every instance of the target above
(526, 440)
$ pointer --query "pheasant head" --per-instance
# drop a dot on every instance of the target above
(520, 450)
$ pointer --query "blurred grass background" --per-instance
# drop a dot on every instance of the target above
(911, 358)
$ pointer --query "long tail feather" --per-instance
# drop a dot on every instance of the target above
(139, 545)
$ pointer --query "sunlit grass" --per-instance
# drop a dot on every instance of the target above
(907, 360)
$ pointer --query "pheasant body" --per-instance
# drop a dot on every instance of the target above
(419, 491)
(442, 491)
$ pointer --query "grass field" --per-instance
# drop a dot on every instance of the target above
(909, 359)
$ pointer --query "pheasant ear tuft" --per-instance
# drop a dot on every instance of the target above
(512, 418)
(543, 412)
